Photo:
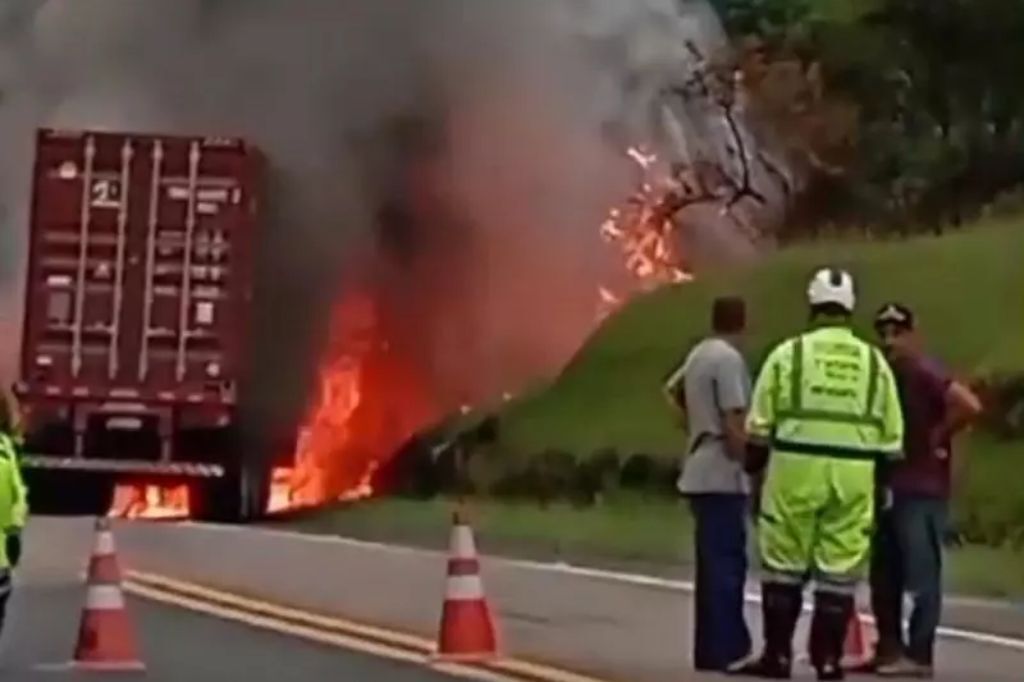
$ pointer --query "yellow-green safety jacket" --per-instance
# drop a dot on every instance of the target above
(13, 494)
(813, 396)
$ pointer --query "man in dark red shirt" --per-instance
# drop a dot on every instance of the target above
(915, 491)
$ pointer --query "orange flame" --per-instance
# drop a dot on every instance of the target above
(368, 402)
(643, 230)
(150, 502)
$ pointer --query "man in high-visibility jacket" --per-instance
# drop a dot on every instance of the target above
(13, 506)
(824, 410)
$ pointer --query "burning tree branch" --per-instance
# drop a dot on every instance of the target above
(644, 225)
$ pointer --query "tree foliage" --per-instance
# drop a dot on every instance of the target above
(900, 112)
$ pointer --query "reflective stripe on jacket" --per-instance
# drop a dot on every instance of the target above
(13, 493)
(829, 393)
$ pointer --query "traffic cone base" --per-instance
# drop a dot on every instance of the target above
(467, 632)
(855, 651)
(113, 667)
(470, 634)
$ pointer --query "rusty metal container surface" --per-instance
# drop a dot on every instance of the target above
(140, 274)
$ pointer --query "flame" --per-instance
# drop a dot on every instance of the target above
(643, 230)
(368, 401)
(150, 502)
(280, 490)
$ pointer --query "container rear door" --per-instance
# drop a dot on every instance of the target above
(193, 285)
(136, 289)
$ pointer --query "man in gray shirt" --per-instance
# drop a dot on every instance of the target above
(712, 389)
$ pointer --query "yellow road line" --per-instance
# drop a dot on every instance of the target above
(365, 632)
(333, 631)
(306, 632)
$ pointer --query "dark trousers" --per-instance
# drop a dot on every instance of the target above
(721, 635)
(5, 595)
(907, 558)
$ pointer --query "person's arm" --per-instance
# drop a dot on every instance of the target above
(962, 408)
(761, 418)
(890, 411)
(19, 503)
(731, 396)
(19, 512)
(672, 390)
(734, 434)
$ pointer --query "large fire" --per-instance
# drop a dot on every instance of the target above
(369, 401)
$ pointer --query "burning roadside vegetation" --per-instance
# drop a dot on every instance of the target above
(410, 452)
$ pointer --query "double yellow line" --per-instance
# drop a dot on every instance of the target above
(333, 631)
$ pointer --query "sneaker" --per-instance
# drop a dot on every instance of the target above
(906, 667)
(740, 663)
(765, 668)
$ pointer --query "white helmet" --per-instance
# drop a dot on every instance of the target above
(830, 285)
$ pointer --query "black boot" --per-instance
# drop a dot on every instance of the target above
(832, 613)
(780, 606)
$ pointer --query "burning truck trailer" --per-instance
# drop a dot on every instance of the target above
(138, 305)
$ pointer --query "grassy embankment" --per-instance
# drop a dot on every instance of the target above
(967, 289)
(650, 536)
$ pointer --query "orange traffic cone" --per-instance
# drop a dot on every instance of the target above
(467, 631)
(855, 652)
(106, 638)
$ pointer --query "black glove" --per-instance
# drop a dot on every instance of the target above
(14, 549)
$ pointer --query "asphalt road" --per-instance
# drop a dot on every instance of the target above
(176, 644)
(600, 627)
(592, 624)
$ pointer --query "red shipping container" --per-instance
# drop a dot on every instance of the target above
(139, 292)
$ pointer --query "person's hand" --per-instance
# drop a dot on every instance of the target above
(14, 548)
(887, 498)
(937, 441)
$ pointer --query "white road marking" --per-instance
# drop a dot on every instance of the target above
(636, 579)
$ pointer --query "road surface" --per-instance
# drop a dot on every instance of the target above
(176, 643)
(601, 627)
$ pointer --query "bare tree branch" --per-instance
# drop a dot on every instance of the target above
(700, 85)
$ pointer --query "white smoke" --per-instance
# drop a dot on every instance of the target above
(533, 103)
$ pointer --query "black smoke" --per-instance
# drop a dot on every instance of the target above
(457, 155)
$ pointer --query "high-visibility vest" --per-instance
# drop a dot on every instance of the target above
(827, 392)
(13, 493)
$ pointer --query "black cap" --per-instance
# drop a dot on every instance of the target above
(894, 314)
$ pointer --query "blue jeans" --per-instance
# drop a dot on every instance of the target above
(907, 558)
(721, 634)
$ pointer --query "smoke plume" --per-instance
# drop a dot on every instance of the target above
(456, 156)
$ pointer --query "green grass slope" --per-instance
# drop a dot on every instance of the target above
(967, 287)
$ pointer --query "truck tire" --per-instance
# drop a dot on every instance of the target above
(238, 497)
(218, 500)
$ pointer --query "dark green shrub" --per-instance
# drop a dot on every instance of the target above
(596, 476)
(639, 472)
(553, 473)
(988, 503)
